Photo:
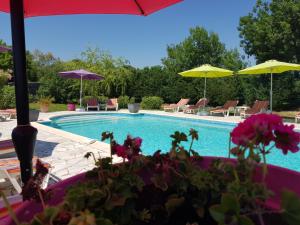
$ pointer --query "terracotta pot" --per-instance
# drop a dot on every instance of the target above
(44, 108)
(277, 179)
(71, 106)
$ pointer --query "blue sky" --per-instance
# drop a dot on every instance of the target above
(141, 40)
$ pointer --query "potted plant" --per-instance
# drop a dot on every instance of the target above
(44, 103)
(102, 101)
(71, 106)
(34, 115)
(133, 107)
(179, 187)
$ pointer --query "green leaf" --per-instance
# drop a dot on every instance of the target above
(103, 221)
(244, 220)
(51, 213)
(159, 182)
(173, 203)
(290, 203)
(230, 203)
(218, 213)
(194, 134)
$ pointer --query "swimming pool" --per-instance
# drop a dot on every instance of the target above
(155, 131)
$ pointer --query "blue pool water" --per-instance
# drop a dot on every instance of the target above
(156, 130)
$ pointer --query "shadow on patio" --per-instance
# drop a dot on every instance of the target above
(44, 148)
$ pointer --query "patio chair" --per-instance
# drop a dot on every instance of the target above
(195, 108)
(6, 146)
(112, 104)
(12, 113)
(4, 116)
(258, 107)
(228, 107)
(181, 105)
(92, 103)
(10, 171)
(297, 117)
(14, 201)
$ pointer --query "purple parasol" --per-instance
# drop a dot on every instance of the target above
(4, 49)
(82, 75)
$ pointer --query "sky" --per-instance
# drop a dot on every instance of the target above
(141, 40)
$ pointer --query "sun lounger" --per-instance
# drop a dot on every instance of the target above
(92, 104)
(226, 108)
(181, 105)
(112, 104)
(11, 113)
(6, 146)
(10, 171)
(14, 201)
(195, 108)
(258, 107)
(4, 116)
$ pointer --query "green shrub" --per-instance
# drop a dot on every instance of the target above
(7, 99)
(132, 100)
(45, 100)
(123, 102)
(102, 99)
(151, 102)
(85, 100)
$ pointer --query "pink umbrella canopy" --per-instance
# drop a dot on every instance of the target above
(78, 74)
(34, 8)
(4, 49)
(24, 135)
(82, 75)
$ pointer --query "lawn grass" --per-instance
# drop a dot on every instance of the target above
(54, 107)
(287, 114)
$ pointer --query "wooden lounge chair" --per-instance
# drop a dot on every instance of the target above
(297, 117)
(258, 107)
(92, 103)
(181, 105)
(10, 171)
(195, 108)
(11, 112)
(112, 104)
(226, 108)
(4, 116)
(15, 202)
(6, 146)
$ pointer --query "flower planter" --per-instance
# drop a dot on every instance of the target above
(277, 179)
(133, 108)
(71, 107)
(44, 108)
(33, 115)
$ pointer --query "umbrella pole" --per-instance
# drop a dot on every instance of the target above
(80, 91)
(24, 135)
(271, 93)
(204, 87)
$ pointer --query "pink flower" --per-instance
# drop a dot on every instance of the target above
(120, 150)
(286, 138)
(257, 129)
(129, 149)
(138, 142)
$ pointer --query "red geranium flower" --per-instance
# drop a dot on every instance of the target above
(286, 138)
(257, 129)
(120, 150)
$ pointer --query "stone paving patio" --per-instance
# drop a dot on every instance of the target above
(65, 151)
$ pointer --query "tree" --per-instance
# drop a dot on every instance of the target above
(5, 58)
(200, 47)
(272, 31)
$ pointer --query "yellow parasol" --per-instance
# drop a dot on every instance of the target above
(206, 71)
(270, 66)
